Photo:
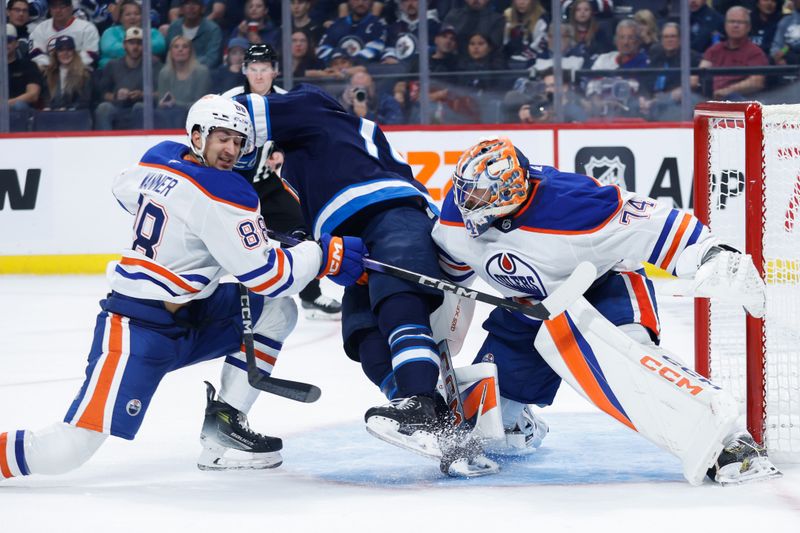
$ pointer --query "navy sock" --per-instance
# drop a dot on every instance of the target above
(376, 361)
(404, 320)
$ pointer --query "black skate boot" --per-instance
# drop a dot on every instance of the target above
(322, 308)
(412, 423)
(742, 461)
(230, 444)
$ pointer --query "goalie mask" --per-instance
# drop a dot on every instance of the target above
(214, 111)
(489, 183)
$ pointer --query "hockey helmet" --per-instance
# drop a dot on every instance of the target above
(261, 53)
(214, 111)
(489, 182)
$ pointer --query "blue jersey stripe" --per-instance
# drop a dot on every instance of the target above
(698, 229)
(142, 276)
(663, 237)
(266, 341)
(19, 453)
(241, 364)
(247, 276)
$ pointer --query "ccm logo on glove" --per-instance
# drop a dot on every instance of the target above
(343, 259)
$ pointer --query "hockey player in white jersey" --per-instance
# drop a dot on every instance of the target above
(523, 228)
(195, 221)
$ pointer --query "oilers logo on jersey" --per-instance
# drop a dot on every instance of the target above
(509, 270)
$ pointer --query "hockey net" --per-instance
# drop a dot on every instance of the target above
(747, 189)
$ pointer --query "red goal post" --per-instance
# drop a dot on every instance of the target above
(747, 190)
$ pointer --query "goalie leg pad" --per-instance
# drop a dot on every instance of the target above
(643, 387)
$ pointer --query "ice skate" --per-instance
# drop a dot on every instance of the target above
(462, 454)
(742, 461)
(410, 423)
(230, 444)
(322, 308)
(525, 436)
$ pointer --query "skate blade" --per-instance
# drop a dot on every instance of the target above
(761, 469)
(479, 466)
(420, 442)
(210, 461)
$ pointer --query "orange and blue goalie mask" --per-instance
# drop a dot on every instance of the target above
(489, 183)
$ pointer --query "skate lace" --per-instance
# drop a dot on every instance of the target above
(244, 427)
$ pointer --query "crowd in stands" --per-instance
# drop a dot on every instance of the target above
(76, 64)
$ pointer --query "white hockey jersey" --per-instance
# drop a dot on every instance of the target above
(87, 40)
(195, 224)
(569, 218)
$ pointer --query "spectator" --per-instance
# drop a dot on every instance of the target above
(19, 15)
(224, 13)
(525, 30)
(302, 21)
(477, 16)
(67, 80)
(181, 82)
(361, 98)
(121, 86)
(600, 8)
(229, 74)
(764, 21)
(629, 53)
(786, 46)
(64, 23)
(205, 35)
(401, 35)
(649, 28)
(25, 83)
(304, 61)
(591, 39)
(531, 101)
(663, 102)
(101, 13)
(571, 57)
(257, 27)
(707, 26)
(480, 56)
(111, 42)
(361, 35)
(736, 51)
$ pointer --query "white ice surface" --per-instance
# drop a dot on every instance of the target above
(592, 474)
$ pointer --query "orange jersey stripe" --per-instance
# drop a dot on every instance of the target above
(93, 415)
(263, 356)
(646, 312)
(455, 224)
(193, 182)
(473, 401)
(158, 269)
(4, 468)
(281, 262)
(676, 241)
(571, 353)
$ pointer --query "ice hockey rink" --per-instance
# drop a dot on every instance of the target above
(590, 474)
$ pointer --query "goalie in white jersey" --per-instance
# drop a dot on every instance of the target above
(195, 221)
(523, 229)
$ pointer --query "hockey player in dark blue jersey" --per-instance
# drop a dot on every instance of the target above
(350, 180)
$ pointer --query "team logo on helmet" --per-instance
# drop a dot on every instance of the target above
(509, 270)
(134, 407)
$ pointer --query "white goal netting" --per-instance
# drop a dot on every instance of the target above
(779, 157)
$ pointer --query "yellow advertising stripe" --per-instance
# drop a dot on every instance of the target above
(56, 264)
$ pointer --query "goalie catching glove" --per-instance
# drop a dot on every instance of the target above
(342, 259)
(729, 276)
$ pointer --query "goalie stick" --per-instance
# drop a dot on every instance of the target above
(294, 390)
(555, 304)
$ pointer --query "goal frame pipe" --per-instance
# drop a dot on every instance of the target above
(751, 114)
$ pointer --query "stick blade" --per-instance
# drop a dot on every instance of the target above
(293, 390)
(573, 288)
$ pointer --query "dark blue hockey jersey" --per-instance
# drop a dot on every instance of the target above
(338, 164)
(362, 40)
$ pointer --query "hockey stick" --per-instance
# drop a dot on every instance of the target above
(294, 390)
(555, 304)
(450, 383)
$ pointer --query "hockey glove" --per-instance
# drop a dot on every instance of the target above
(342, 259)
(730, 277)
